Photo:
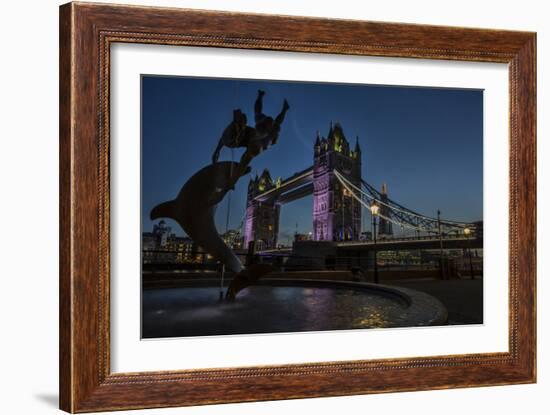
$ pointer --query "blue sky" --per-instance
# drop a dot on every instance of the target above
(425, 143)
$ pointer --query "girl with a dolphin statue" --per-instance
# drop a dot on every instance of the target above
(195, 206)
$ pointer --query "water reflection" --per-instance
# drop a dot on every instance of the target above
(197, 311)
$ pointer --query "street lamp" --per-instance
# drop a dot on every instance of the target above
(467, 232)
(441, 264)
(374, 208)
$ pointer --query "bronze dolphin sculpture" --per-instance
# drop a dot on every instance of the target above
(195, 206)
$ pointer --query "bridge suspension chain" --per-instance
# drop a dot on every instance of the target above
(398, 214)
(348, 186)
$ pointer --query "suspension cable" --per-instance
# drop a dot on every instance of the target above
(450, 224)
(382, 216)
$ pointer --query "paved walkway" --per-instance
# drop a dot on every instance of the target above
(463, 298)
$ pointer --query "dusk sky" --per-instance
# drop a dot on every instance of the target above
(425, 143)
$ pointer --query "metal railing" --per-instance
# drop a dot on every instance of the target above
(169, 260)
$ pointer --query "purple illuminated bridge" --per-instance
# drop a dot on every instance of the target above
(339, 193)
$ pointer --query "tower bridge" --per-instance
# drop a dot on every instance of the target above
(339, 194)
(295, 187)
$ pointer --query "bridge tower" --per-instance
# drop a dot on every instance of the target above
(336, 214)
(262, 218)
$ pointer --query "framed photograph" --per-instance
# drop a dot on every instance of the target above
(260, 207)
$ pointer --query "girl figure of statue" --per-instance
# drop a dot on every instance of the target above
(255, 140)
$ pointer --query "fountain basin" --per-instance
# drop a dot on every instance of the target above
(193, 308)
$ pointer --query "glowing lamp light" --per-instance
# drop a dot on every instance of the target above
(467, 231)
(374, 208)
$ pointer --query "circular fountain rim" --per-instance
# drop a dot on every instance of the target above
(422, 308)
(419, 303)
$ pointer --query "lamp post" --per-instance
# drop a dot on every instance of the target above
(343, 230)
(441, 268)
(222, 274)
(467, 233)
(374, 208)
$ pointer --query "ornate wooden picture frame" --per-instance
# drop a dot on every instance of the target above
(87, 32)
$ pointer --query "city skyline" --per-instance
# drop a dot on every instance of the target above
(424, 143)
